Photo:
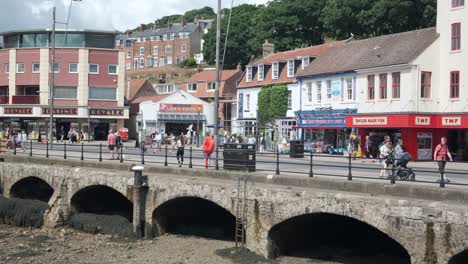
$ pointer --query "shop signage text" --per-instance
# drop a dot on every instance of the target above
(180, 108)
(18, 111)
(323, 118)
(106, 112)
(61, 111)
(362, 121)
(451, 121)
(423, 121)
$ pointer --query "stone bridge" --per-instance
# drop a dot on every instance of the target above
(422, 224)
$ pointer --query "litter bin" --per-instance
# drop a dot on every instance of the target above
(296, 149)
(239, 157)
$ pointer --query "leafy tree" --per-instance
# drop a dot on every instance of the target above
(272, 103)
(202, 13)
(264, 106)
(188, 63)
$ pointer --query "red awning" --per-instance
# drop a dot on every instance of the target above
(407, 121)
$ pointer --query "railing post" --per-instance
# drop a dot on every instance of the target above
(14, 145)
(100, 152)
(311, 171)
(165, 157)
(393, 179)
(138, 220)
(47, 149)
(442, 178)
(142, 154)
(121, 153)
(277, 162)
(82, 151)
(217, 157)
(64, 150)
(350, 175)
(30, 148)
(190, 159)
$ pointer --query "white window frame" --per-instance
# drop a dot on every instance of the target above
(261, 72)
(128, 66)
(149, 62)
(155, 62)
(305, 62)
(116, 69)
(7, 68)
(190, 87)
(247, 103)
(155, 50)
(172, 36)
(58, 68)
(157, 38)
(129, 54)
(89, 68)
(275, 70)
(310, 92)
(17, 67)
(318, 91)
(137, 63)
(142, 63)
(142, 51)
(69, 68)
(349, 89)
(165, 37)
(169, 60)
(39, 68)
(291, 68)
(183, 48)
(168, 49)
(210, 87)
(329, 89)
(249, 74)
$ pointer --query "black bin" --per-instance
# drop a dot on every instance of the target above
(296, 149)
(239, 157)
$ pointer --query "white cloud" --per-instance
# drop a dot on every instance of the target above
(97, 14)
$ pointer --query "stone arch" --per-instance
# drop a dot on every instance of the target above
(101, 199)
(32, 188)
(192, 215)
(329, 236)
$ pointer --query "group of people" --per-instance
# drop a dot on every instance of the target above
(20, 139)
(114, 143)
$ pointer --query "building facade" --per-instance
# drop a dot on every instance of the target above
(88, 80)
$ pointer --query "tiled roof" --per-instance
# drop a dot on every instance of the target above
(395, 49)
(135, 86)
(210, 76)
(153, 98)
(175, 28)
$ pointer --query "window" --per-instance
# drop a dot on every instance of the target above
(177, 60)
(163, 61)
(7, 68)
(192, 87)
(135, 63)
(458, 3)
(155, 62)
(291, 68)
(383, 86)
(275, 70)
(151, 38)
(169, 60)
(165, 37)
(211, 86)
(157, 38)
(172, 36)
(94, 68)
(155, 50)
(36, 67)
(349, 89)
(329, 89)
(184, 58)
(454, 84)
(20, 68)
(165, 88)
(247, 103)
(56, 68)
(309, 92)
(128, 66)
(142, 51)
(289, 100)
(142, 63)
(319, 91)
(129, 54)
(249, 73)
(138, 39)
(305, 62)
(168, 48)
(143, 39)
(112, 69)
(183, 48)
(371, 87)
(149, 62)
(396, 79)
(73, 68)
(65, 92)
(426, 84)
(261, 72)
(102, 93)
(456, 36)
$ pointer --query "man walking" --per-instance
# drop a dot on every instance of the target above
(441, 155)
(111, 142)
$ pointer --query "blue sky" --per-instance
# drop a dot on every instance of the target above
(97, 14)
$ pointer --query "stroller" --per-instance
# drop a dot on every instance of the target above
(400, 165)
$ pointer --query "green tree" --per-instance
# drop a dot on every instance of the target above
(272, 103)
(202, 13)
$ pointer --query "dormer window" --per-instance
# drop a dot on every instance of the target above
(249, 73)
(291, 68)
(261, 72)
(305, 62)
(275, 71)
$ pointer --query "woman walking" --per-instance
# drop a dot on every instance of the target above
(441, 155)
(385, 151)
(180, 150)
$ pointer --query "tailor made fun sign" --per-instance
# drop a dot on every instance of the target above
(365, 121)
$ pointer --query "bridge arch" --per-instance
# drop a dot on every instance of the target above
(192, 215)
(101, 200)
(329, 236)
(32, 188)
(460, 258)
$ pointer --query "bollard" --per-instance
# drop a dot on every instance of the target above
(442, 178)
(311, 172)
(393, 179)
(277, 162)
(14, 145)
(121, 153)
(82, 150)
(47, 149)
(138, 220)
(143, 154)
(30, 148)
(217, 157)
(350, 175)
(64, 150)
(190, 159)
(100, 152)
(165, 157)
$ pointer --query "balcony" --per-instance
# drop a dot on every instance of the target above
(4, 99)
(25, 99)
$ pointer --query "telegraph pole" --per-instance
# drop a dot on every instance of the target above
(218, 77)
(52, 83)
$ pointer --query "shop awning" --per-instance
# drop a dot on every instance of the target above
(451, 121)
(318, 128)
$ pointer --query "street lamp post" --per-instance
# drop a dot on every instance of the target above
(218, 77)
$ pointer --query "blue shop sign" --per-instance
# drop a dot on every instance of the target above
(323, 118)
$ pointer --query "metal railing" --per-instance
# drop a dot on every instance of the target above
(312, 165)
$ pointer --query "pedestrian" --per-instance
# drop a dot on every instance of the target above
(69, 135)
(441, 155)
(399, 150)
(111, 141)
(262, 144)
(23, 138)
(208, 147)
(368, 146)
(174, 140)
(118, 144)
(11, 144)
(62, 133)
(180, 150)
(158, 140)
(385, 151)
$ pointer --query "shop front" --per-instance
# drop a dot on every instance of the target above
(324, 130)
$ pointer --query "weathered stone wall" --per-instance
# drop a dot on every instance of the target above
(432, 231)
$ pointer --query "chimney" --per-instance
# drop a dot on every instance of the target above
(268, 49)
(239, 67)
(183, 22)
(142, 27)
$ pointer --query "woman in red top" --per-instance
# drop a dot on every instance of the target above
(441, 155)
